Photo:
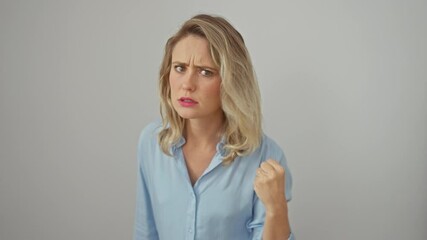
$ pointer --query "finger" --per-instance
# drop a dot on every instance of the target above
(267, 167)
(276, 165)
(260, 172)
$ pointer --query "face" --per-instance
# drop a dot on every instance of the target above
(194, 80)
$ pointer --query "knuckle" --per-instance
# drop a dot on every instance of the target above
(271, 160)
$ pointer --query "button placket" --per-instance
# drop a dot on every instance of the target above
(191, 216)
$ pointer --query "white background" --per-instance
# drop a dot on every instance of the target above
(344, 86)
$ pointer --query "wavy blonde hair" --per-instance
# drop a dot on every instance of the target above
(240, 96)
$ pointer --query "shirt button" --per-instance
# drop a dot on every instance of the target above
(189, 230)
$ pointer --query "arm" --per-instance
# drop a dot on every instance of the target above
(145, 228)
(276, 224)
(270, 187)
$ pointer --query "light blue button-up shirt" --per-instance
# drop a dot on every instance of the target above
(222, 204)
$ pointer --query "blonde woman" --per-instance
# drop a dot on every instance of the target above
(207, 171)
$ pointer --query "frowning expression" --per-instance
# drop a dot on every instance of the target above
(194, 80)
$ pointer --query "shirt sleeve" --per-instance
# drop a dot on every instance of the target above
(145, 228)
(256, 225)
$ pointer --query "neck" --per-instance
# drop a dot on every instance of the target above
(203, 132)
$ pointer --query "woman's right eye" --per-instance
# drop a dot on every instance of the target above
(179, 68)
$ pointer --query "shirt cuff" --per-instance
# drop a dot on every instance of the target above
(291, 236)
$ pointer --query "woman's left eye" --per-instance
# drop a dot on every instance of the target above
(206, 73)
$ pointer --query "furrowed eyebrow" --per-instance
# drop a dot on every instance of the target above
(201, 67)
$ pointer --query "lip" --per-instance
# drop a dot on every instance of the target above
(187, 102)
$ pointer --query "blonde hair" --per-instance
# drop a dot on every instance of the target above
(240, 97)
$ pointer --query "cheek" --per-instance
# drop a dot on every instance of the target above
(215, 91)
(218, 92)
(172, 83)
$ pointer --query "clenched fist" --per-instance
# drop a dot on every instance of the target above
(269, 184)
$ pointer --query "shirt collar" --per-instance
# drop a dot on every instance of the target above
(177, 145)
(219, 147)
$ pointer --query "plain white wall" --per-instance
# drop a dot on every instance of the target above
(344, 86)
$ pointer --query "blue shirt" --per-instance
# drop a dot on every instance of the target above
(222, 204)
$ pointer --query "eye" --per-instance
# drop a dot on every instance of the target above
(206, 73)
(179, 68)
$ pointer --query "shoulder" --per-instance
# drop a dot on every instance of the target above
(149, 133)
(271, 148)
(147, 143)
(150, 130)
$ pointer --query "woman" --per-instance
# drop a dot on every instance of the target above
(207, 171)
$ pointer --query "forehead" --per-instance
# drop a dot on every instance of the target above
(192, 50)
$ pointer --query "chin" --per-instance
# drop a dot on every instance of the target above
(186, 114)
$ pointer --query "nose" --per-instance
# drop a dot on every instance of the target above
(189, 81)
